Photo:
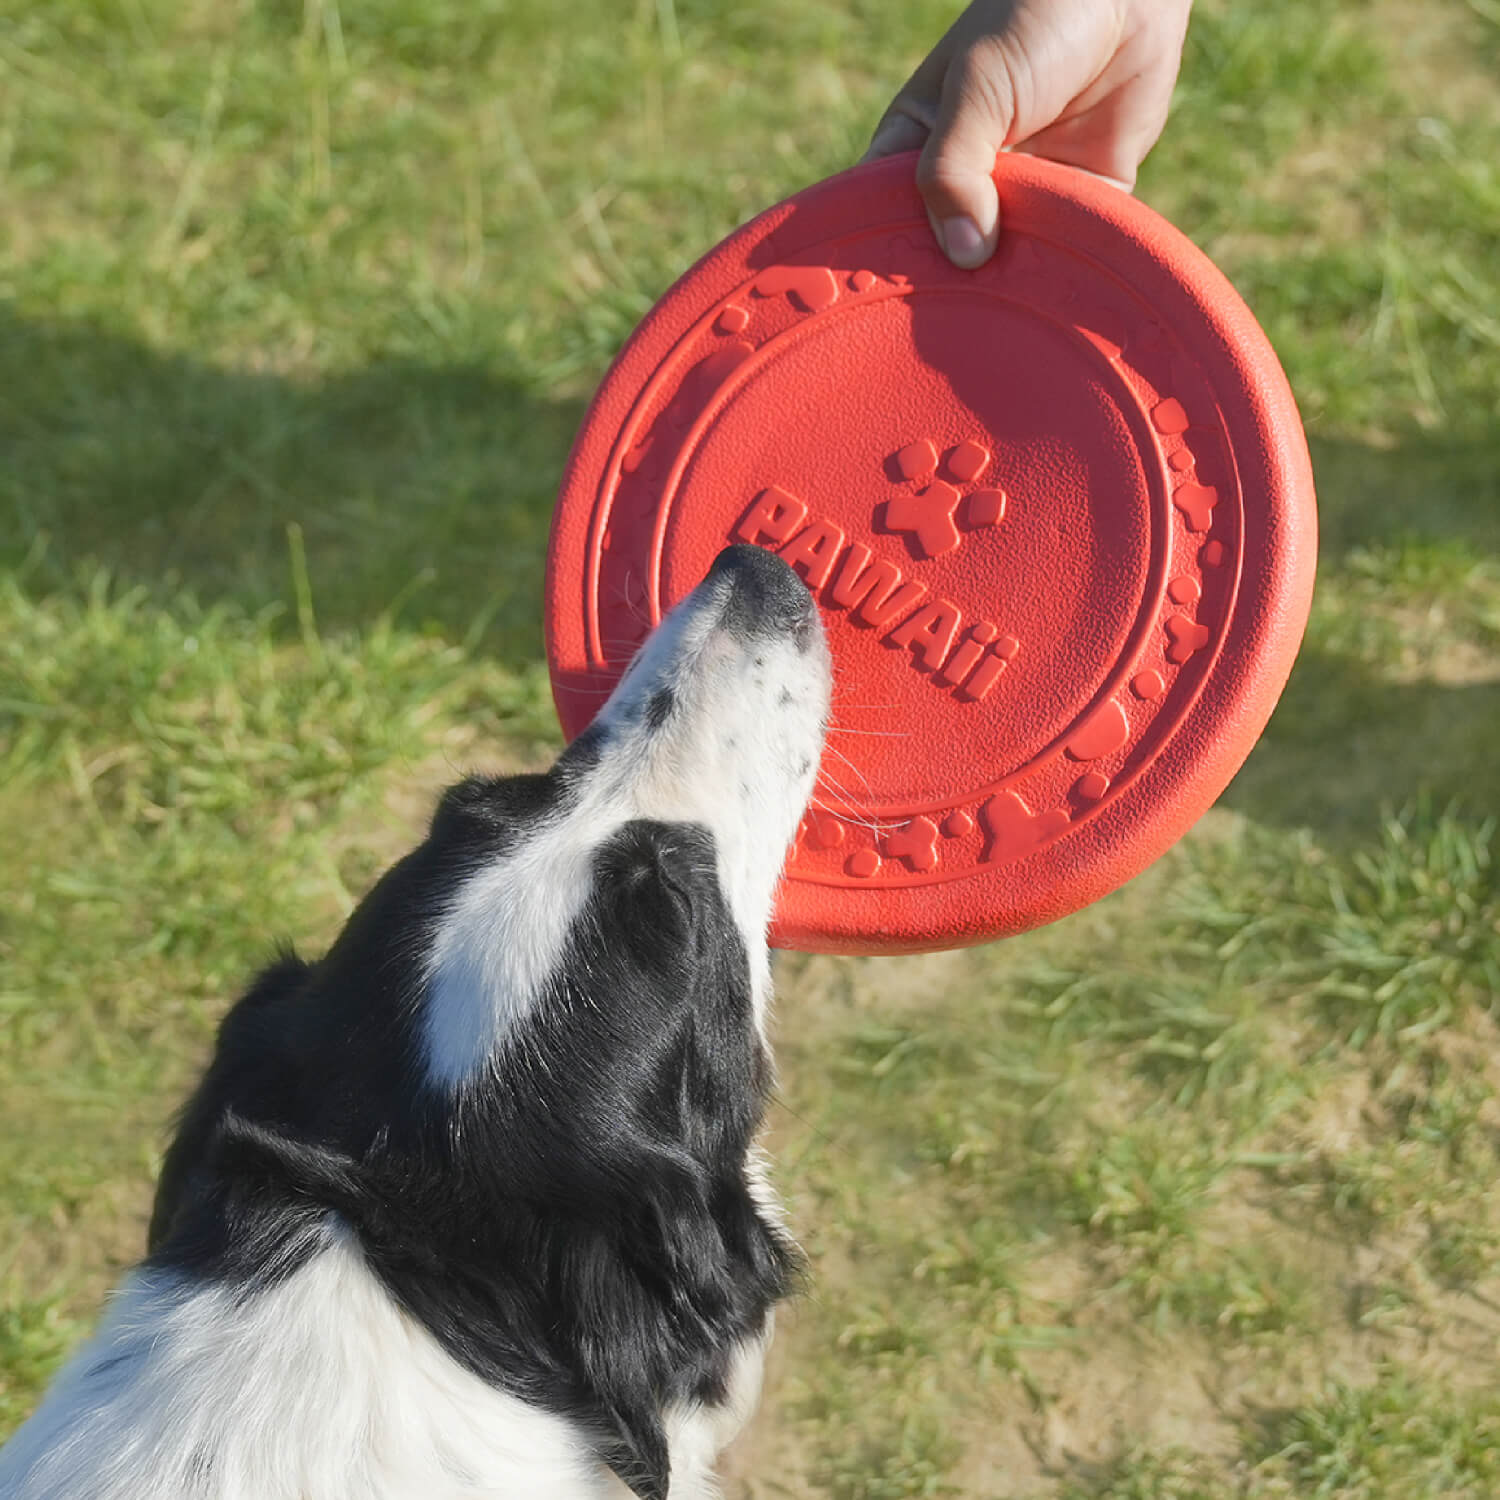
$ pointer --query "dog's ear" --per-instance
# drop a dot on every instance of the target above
(657, 883)
(666, 973)
(259, 1203)
(183, 1176)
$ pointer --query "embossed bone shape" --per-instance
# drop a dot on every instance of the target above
(811, 287)
(916, 843)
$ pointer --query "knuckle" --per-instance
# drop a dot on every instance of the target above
(940, 177)
(983, 79)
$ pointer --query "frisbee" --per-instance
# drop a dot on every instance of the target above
(1057, 512)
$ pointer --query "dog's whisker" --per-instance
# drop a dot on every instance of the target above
(843, 759)
(852, 797)
(873, 827)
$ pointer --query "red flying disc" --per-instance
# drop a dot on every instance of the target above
(1058, 513)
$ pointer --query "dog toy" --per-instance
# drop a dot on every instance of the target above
(1058, 513)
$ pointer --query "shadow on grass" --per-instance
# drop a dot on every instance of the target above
(1345, 745)
(1347, 741)
(1422, 487)
(174, 474)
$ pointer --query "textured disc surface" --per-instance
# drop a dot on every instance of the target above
(1058, 513)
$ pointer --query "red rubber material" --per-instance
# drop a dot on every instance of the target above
(1058, 512)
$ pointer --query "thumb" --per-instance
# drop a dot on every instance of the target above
(955, 173)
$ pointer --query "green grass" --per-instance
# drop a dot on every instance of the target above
(1184, 1198)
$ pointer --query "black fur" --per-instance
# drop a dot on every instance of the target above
(575, 1226)
(659, 708)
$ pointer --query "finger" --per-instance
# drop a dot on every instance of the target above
(955, 174)
(1110, 139)
(1054, 150)
(1110, 126)
(897, 132)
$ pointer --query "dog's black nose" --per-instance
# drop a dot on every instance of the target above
(767, 597)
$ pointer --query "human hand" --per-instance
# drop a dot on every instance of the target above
(1086, 82)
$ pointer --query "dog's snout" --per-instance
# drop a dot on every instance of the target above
(766, 596)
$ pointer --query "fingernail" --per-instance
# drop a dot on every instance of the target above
(962, 241)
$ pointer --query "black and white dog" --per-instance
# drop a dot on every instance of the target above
(471, 1206)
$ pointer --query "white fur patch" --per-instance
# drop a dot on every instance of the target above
(499, 942)
(319, 1388)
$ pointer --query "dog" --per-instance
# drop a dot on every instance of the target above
(472, 1206)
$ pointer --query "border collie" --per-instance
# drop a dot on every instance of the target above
(471, 1206)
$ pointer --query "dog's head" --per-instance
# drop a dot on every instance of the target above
(680, 800)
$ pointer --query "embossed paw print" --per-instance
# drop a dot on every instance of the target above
(927, 515)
